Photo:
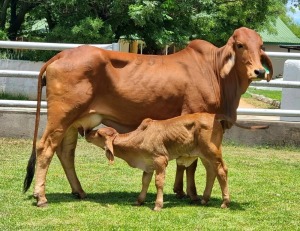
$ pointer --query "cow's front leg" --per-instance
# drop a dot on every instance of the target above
(66, 155)
(147, 176)
(178, 184)
(190, 179)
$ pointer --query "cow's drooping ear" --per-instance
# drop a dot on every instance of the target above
(227, 58)
(267, 64)
(109, 150)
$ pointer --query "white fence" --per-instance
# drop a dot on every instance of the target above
(14, 104)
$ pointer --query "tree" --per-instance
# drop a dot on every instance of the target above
(158, 23)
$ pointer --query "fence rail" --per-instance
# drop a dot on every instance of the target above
(49, 46)
(30, 106)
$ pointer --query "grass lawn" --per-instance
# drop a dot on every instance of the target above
(275, 95)
(264, 185)
(272, 94)
(8, 96)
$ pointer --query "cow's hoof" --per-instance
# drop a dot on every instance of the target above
(180, 194)
(78, 195)
(138, 203)
(204, 202)
(195, 199)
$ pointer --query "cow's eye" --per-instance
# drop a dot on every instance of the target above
(239, 45)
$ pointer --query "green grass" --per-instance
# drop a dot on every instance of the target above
(12, 96)
(263, 181)
(276, 95)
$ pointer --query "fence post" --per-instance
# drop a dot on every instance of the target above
(291, 97)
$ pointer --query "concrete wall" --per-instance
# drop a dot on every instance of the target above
(23, 86)
(278, 133)
(21, 125)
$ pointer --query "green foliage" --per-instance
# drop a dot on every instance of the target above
(263, 182)
(158, 23)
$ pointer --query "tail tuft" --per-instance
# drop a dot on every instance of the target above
(30, 171)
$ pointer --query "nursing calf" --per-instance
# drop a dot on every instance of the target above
(155, 142)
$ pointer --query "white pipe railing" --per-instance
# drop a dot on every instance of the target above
(283, 54)
(47, 46)
(19, 74)
(285, 84)
(14, 104)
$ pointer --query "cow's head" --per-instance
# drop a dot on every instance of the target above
(103, 138)
(243, 51)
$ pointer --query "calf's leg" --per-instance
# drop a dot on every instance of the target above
(210, 179)
(222, 175)
(216, 168)
(159, 183)
(147, 176)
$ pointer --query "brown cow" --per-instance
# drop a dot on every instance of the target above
(87, 86)
(155, 142)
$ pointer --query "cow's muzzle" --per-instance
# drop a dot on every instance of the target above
(260, 73)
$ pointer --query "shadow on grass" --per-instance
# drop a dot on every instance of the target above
(128, 198)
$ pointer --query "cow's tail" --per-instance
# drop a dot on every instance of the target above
(222, 117)
(32, 160)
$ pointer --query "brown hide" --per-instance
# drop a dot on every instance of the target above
(87, 85)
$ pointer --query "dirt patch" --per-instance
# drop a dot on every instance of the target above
(244, 104)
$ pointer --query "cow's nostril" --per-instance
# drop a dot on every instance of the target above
(260, 72)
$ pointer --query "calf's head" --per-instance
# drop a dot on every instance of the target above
(103, 138)
(243, 51)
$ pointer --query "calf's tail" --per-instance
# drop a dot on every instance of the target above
(32, 160)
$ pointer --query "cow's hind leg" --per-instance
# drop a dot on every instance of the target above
(66, 155)
(147, 176)
(45, 151)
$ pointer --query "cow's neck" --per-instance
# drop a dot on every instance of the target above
(231, 91)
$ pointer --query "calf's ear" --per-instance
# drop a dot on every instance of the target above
(227, 58)
(109, 150)
(267, 64)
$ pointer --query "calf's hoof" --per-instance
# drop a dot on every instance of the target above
(157, 207)
(42, 204)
